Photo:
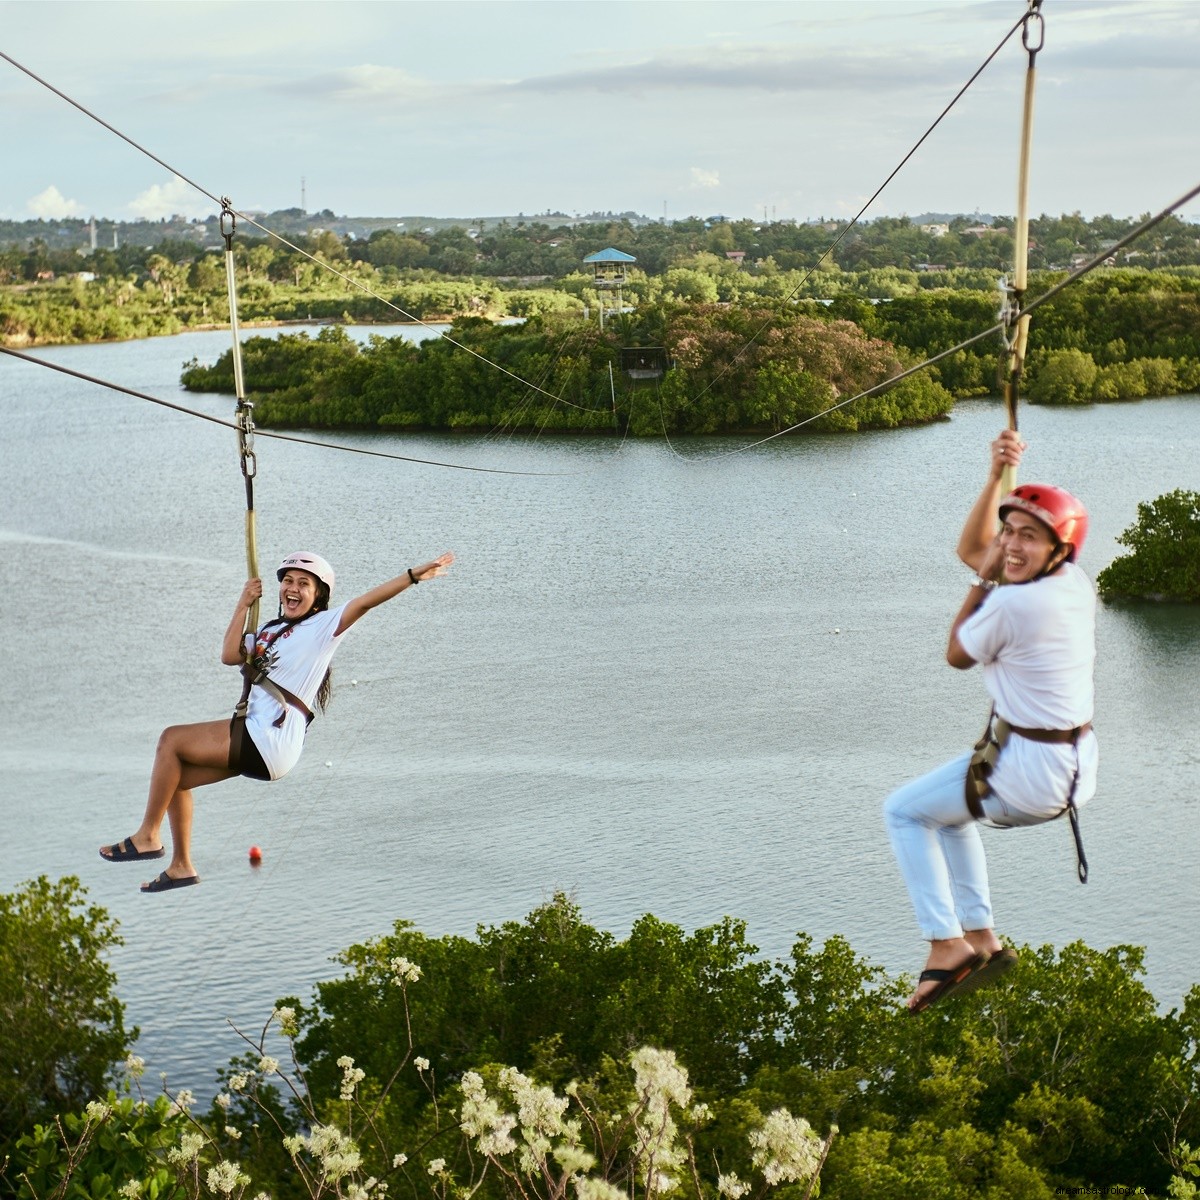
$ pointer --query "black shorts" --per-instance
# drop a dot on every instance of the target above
(244, 757)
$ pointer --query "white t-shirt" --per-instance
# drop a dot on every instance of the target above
(1037, 644)
(296, 660)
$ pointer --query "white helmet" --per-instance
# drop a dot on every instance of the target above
(305, 560)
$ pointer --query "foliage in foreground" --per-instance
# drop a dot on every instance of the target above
(547, 1058)
(1163, 562)
(61, 1024)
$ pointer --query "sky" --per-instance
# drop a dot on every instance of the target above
(780, 109)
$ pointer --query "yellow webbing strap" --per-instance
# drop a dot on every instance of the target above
(244, 415)
(1017, 332)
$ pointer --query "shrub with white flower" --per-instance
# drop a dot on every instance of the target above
(135, 1065)
(286, 1016)
(268, 1065)
(786, 1149)
(436, 1166)
(97, 1111)
(422, 1064)
(590, 1188)
(224, 1177)
(335, 1154)
(482, 1119)
(190, 1145)
(405, 971)
(659, 1082)
(352, 1076)
(730, 1185)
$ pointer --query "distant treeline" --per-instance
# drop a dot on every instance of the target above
(554, 246)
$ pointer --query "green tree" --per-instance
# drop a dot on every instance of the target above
(61, 1025)
(1163, 562)
(1061, 377)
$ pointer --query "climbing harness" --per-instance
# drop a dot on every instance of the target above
(242, 752)
(987, 754)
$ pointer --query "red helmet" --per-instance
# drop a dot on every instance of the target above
(1057, 509)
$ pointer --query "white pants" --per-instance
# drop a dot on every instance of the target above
(940, 852)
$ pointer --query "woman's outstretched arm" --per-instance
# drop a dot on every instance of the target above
(386, 591)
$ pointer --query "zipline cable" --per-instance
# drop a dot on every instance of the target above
(279, 437)
(1016, 319)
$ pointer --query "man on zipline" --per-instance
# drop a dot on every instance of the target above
(1036, 640)
(289, 673)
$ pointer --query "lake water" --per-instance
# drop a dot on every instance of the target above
(662, 679)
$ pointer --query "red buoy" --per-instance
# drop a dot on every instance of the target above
(255, 855)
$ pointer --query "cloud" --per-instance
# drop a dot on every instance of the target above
(786, 69)
(51, 204)
(167, 199)
(705, 179)
(367, 82)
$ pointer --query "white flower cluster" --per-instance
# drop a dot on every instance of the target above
(405, 971)
(268, 1065)
(337, 1154)
(540, 1116)
(97, 1111)
(237, 1083)
(659, 1082)
(224, 1177)
(135, 1066)
(422, 1064)
(483, 1119)
(190, 1144)
(364, 1191)
(182, 1103)
(589, 1188)
(352, 1076)
(131, 1190)
(730, 1185)
(436, 1166)
(785, 1148)
(286, 1016)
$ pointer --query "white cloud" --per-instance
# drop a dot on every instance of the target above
(705, 179)
(51, 204)
(167, 199)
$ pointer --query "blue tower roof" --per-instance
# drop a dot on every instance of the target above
(610, 255)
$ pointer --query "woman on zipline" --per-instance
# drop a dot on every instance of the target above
(290, 672)
(1036, 640)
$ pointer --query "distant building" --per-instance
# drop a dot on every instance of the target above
(938, 230)
(736, 256)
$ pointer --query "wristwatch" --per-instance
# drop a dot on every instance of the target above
(986, 584)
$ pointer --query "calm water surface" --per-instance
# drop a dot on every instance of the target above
(664, 681)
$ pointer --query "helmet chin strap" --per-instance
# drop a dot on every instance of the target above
(1059, 555)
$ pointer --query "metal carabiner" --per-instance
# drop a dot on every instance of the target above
(227, 213)
(1033, 15)
(1010, 313)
